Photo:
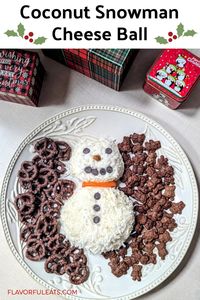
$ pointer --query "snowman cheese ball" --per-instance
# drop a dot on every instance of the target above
(98, 217)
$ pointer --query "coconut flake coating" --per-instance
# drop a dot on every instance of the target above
(102, 230)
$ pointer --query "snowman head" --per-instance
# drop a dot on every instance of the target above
(97, 160)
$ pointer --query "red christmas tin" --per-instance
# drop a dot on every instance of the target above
(21, 76)
(173, 76)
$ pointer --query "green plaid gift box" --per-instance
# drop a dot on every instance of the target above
(108, 66)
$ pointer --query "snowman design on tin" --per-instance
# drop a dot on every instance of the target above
(181, 74)
(170, 80)
(179, 85)
(170, 69)
(98, 217)
(161, 74)
(180, 61)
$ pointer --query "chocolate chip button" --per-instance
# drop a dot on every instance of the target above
(97, 196)
(88, 170)
(109, 169)
(108, 150)
(96, 207)
(86, 150)
(102, 171)
(96, 219)
(95, 172)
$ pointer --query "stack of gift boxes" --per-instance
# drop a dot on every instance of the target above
(170, 80)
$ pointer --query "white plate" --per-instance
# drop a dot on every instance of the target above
(105, 121)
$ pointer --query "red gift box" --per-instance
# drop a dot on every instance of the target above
(21, 76)
(173, 76)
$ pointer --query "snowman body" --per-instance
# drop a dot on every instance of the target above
(101, 218)
(98, 217)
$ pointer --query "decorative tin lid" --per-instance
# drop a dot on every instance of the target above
(176, 70)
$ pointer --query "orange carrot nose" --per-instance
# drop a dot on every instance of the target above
(97, 157)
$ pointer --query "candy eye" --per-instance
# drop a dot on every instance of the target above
(86, 150)
(108, 150)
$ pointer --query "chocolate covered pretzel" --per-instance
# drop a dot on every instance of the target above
(46, 148)
(46, 225)
(78, 273)
(26, 232)
(56, 264)
(24, 203)
(51, 207)
(40, 162)
(35, 249)
(27, 173)
(64, 150)
(64, 189)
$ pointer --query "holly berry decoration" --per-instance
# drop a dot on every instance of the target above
(172, 36)
(180, 32)
(30, 37)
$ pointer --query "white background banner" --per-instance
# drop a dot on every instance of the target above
(104, 24)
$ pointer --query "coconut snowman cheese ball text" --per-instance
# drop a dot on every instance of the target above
(98, 217)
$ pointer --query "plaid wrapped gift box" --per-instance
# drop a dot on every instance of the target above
(21, 76)
(108, 66)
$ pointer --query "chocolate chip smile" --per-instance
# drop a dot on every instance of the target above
(96, 172)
